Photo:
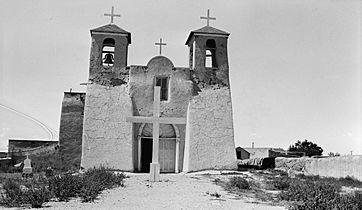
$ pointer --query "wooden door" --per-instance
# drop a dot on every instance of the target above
(167, 155)
(146, 154)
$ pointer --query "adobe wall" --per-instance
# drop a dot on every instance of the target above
(210, 133)
(107, 137)
(204, 76)
(329, 167)
(17, 149)
(71, 127)
(141, 85)
(120, 54)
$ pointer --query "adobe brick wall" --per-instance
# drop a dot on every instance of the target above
(210, 133)
(107, 137)
(142, 82)
(71, 127)
(329, 167)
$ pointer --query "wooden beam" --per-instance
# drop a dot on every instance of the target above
(161, 120)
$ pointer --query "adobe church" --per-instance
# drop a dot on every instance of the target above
(158, 117)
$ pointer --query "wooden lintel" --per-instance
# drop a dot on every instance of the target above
(162, 120)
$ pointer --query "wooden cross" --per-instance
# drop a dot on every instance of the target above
(208, 18)
(112, 14)
(156, 120)
(160, 43)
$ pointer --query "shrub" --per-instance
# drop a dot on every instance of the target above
(37, 196)
(97, 179)
(104, 177)
(39, 189)
(312, 193)
(238, 182)
(65, 186)
(348, 202)
(90, 191)
(13, 195)
(280, 183)
(350, 182)
(30, 193)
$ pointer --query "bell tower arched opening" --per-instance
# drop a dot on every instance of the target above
(210, 54)
(108, 52)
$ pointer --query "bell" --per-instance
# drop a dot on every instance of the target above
(108, 58)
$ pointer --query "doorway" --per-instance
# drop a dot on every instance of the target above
(146, 154)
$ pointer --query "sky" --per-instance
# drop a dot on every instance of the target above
(295, 65)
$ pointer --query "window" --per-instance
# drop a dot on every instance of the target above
(193, 54)
(163, 83)
(210, 54)
(108, 52)
(208, 59)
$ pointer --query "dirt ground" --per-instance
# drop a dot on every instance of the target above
(174, 191)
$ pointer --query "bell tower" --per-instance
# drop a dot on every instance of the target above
(208, 57)
(109, 48)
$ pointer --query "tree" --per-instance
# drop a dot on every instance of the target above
(332, 154)
(308, 147)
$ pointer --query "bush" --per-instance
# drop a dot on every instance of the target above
(65, 186)
(312, 193)
(104, 177)
(89, 191)
(97, 179)
(238, 182)
(37, 196)
(17, 195)
(13, 194)
(350, 182)
(39, 189)
(280, 183)
(348, 202)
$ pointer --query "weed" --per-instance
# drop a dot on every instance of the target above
(97, 179)
(17, 194)
(238, 182)
(279, 183)
(65, 186)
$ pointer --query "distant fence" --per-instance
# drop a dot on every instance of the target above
(330, 167)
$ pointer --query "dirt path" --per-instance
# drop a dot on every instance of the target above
(175, 191)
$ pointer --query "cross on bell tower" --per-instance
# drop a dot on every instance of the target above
(208, 18)
(160, 44)
(112, 15)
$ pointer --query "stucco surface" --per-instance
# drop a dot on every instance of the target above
(107, 137)
(71, 128)
(336, 166)
(141, 85)
(210, 133)
(329, 167)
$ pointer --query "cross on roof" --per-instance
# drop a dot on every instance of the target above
(112, 14)
(156, 120)
(208, 18)
(160, 43)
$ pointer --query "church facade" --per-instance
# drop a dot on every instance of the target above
(195, 123)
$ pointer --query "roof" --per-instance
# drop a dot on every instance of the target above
(251, 149)
(112, 28)
(207, 30)
(34, 140)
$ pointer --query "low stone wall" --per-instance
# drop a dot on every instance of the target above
(330, 167)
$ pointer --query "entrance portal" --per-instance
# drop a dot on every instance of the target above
(167, 148)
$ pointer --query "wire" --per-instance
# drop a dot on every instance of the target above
(49, 130)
